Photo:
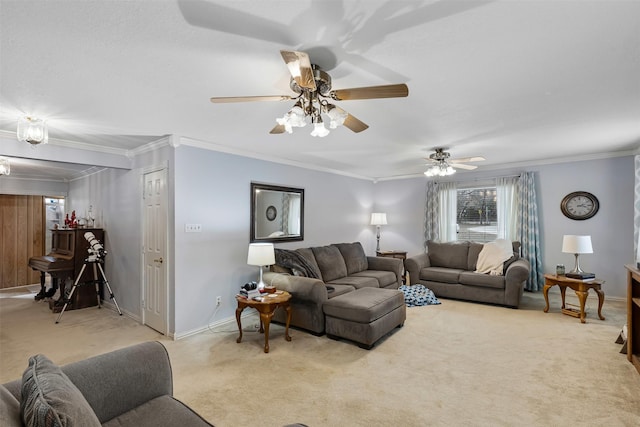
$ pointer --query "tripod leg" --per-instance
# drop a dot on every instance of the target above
(97, 284)
(73, 289)
(106, 282)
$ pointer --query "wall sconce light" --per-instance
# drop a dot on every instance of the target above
(32, 130)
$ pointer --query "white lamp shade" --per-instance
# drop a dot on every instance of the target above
(576, 244)
(378, 218)
(261, 254)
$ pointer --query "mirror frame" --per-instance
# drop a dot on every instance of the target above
(254, 215)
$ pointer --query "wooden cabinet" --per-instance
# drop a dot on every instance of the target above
(633, 316)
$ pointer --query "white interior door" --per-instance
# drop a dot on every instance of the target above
(154, 300)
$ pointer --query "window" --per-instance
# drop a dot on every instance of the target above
(477, 214)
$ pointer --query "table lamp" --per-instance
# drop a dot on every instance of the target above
(261, 254)
(577, 245)
(378, 219)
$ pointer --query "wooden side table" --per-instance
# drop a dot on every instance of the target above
(581, 289)
(266, 307)
(396, 254)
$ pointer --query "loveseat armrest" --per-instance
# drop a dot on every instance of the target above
(414, 264)
(514, 277)
(394, 265)
(301, 288)
(119, 381)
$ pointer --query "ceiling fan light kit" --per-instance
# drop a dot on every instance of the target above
(313, 86)
(32, 130)
(442, 165)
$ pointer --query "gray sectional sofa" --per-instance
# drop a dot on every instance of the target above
(324, 273)
(448, 270)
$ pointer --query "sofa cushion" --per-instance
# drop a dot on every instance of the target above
(448, 255)
(308, 254)
(384, 278)
(161, 411)
(354, 257)
(483, 280)
(472, 259)
(364, 305)
(356, 281)
(49, 398)
(9, 409)
(440, 274)
(330, 262)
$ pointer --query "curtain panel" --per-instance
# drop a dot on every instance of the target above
(528, 230)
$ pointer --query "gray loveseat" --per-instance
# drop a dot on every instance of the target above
(448, 270)
(340, 268)
(128, 387)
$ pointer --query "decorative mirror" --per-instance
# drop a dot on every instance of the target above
(277, 213)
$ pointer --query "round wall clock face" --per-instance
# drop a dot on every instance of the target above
(579, 205)
(271, 213)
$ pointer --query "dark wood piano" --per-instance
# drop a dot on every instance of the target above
(69, 249)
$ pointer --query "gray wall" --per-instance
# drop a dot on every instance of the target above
(610, 180)
(213, 189)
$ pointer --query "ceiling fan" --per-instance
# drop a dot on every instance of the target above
(443, 165)
(315, 97)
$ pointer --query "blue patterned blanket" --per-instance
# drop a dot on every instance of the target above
(417, 295)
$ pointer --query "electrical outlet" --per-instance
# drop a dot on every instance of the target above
(193, 228)
(218, 301)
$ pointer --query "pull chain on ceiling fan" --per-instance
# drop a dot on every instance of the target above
(313, 86)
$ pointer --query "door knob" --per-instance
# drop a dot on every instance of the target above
(158, 260)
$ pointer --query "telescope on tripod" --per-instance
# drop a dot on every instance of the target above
(95, 258)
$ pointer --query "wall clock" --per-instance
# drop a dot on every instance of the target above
(579, 205)
(271, 213)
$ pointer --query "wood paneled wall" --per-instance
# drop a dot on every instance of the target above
(22, 222)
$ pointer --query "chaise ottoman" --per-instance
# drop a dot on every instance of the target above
(364, 315)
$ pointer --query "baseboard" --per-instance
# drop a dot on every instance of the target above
(227, 324)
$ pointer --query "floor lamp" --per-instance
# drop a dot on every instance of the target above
(378, 219)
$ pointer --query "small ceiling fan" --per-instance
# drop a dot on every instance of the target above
(443, 165)
(315, 97)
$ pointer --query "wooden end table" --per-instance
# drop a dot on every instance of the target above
(581, 289)
(396, 254)
(266, 307)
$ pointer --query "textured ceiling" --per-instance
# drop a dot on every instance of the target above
(513, 81)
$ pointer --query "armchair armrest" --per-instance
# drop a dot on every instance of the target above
(116, 382)
(300, 288)
(387, 264)
(414, 264)
(514, 277)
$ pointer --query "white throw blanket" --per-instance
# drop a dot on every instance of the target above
(493, 255)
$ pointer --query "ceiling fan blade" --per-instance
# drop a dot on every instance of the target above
(354, 124)
(277, 129)
(463, 166)
(300, 68)
(467, 159)
(371, 92)
(228, 99)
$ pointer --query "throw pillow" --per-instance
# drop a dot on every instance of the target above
(50, 399)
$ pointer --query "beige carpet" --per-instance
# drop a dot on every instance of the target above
(453, 364)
